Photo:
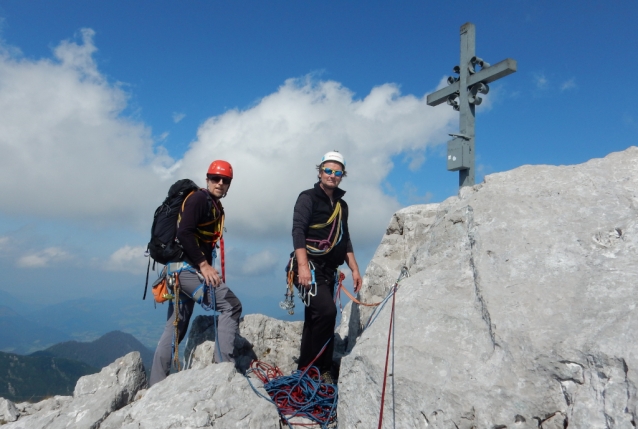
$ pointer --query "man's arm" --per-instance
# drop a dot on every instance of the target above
(300, 225)
(354, 267)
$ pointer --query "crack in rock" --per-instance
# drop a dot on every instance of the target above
(485, 314)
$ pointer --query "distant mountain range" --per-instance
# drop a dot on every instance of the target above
(56, 370)
(21, 335)
(101, 352)
(33, 378)
(25, 329)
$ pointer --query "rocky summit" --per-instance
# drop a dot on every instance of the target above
(518, 312)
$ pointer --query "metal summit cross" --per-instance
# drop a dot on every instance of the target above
(466, 87)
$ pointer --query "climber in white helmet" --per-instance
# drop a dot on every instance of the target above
(322, 243)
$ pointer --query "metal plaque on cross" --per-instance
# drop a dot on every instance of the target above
(463, 94)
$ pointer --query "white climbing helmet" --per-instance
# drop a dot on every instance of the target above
(334, 156)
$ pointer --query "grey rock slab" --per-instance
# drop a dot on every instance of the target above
(273, 341)
(264, 338)
(520, 310)
(203, 355)
(8, 411)
(94, 398)
(49, 404)
(213, 396)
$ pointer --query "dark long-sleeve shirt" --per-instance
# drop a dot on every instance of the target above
(197, 210)
(313, 207)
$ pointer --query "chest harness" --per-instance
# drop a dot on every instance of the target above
(317, 248)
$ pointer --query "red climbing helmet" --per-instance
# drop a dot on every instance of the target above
(220, 168)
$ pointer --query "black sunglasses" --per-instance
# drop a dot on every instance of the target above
(216, 179)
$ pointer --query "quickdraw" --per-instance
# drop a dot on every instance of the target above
(304, 293)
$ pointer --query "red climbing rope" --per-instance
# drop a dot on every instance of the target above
(223, 258)
(387, 356)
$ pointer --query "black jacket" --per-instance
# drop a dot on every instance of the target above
(314, 207)
(200, 212)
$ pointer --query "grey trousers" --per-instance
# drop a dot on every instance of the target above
(227, 326)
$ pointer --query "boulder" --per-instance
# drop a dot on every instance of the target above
(263, 338)
(213, 396)
(8, 411)
(520, 311)
(94, 398)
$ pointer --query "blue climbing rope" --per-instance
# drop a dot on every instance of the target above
(301, 394)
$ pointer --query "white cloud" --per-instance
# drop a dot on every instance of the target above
(63, 138)
(128, 258)
(415, 159)
(43, 258)
(540, 81)
(569, 84)
(177, 117)
(260, 263)
(275, 145)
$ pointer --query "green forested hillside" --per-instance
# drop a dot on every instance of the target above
(33, 378)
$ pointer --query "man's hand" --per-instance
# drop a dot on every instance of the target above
(357, 281)
(304, 276)
(354, 268)
(211, 276)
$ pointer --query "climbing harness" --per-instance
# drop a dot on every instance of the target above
(300, 394)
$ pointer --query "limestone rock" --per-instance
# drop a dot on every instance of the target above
(203, 355)
(8, 411)
(520, 311)
(49, 404)
(214, 396)
(94, 398)
(264, 338)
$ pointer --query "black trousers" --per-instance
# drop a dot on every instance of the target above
(319, 322)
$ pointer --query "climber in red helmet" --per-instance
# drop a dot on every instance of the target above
(200, 226)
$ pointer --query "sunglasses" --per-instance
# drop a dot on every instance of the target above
(216, 179)
(329, 171)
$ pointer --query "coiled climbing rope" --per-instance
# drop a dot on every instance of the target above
(300, 394)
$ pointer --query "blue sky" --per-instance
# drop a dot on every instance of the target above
(104, 104)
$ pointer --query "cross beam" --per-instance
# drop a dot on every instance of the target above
(466, 88)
